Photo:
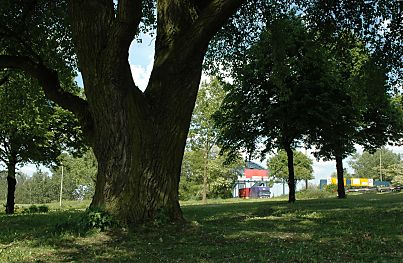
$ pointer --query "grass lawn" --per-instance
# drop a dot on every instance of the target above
(362, 228)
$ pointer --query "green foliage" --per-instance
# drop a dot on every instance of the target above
(277, 94)
(78, 182)
(43, 209)
(203, 167)
(35, 209)
(30, 126)
(161, 217)
(331, 188)
(346, 174)
(315, 193)
(278, 166)
(379, 23)
(79, 175)
(97, 219)
(220, 179)
(367, 165)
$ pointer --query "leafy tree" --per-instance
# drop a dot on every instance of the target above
(221, 176)
(138, 137)
(202, 134)
(375, 165)
(201, 159)
(346, 174)
(363, 113)
(278, 166)
(395, 171)
(31, 129)
(276, 98)
(42, 188)
(79, 175)
(3, 186)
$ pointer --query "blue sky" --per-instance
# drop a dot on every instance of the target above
(141, 60)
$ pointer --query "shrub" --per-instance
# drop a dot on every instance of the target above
(332, 188)
(312, 193)
(97, 218)
(33, 209)
(43, 209)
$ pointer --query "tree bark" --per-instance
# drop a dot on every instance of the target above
(291, 174)
(340, 177)
(11, 183)
(138, 137)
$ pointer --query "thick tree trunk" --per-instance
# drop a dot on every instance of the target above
(139, 137)
(340, 177)
(139, 145)
(98, 200)
(291, 174)
(11, 183)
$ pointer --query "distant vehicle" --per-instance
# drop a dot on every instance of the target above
(258, 190)
(396, 188)
(252, 182)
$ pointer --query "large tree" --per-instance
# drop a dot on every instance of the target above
(138, 137)
(359, 108)
(276, 97)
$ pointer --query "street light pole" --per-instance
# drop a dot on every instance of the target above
(380, 164)
(61, 188)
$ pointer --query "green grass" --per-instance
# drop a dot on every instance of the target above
(362, 228)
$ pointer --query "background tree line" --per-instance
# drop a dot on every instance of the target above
(78, 181)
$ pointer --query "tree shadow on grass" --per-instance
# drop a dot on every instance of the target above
(352, 230)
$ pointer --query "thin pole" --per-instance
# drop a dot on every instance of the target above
(61, 188)
(380, 164)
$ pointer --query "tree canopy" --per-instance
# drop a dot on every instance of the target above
(205, 172)
(278, 166)
(375, 165)
(32, 129)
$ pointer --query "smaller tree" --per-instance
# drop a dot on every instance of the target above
(395, 172)
(204, 171)
(32, 129)
(278, 166)
(79, 175)
(383, 164)
(221, 178)
(202, 134)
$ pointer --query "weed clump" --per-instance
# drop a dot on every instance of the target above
(35, 209)
(98, 219)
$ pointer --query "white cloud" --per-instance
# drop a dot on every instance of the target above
(141, 75)
(29, 169)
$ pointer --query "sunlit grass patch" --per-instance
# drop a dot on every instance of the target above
(362, 228)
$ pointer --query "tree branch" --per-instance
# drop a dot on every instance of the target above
(49, 80)
(183, 38)
(129, 12)
(128, 20)
(212, 17)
